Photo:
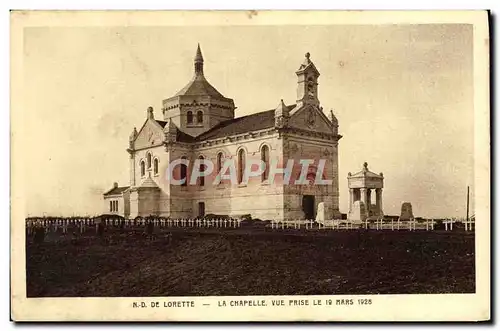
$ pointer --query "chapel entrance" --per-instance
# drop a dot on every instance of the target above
(308, 206)
(201, 209)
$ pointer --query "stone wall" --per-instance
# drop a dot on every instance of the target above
(259, 199)
(134, 204)
(299, 147)
(141, 155)
(148, 202)
(214, 112)
(123, 204)
(301, 118)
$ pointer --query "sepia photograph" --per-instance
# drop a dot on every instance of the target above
(250, 165)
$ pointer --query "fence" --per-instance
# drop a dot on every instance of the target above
(376, 224)
(311, 224)
(83, 225)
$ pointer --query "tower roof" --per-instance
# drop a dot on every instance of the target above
(199, 86)
(307, 64)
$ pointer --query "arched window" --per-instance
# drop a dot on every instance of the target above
(220, 158)
(189, 117)
(219, 161)
(155, 166)
(264, 156)
(241, 165)
(202, 168)
(184, 171)
(199, 116)
(143, 169)
(148, 158)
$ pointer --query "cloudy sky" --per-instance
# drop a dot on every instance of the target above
(403, 95)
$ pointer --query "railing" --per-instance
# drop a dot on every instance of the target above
(311, 224)
(82, 225)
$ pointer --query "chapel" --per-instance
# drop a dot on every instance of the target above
(199, 123)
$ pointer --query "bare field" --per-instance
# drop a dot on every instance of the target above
(205, 262)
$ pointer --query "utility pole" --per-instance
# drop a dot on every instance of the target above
(467, 204)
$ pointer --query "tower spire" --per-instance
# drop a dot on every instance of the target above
(307, 89)
(198, 62)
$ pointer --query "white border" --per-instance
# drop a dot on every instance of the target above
(213, 5)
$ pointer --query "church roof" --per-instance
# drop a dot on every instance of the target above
(117, 190)
(253, 122)
(199, 86)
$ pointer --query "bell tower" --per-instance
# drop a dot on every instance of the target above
(198, 107)
(307, 88)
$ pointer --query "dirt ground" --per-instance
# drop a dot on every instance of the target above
(206, 262)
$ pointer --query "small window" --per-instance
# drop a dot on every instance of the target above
(199, 116)
(201, 209)
(116, 205)
(110, 205)
(143, 169)
(202, 168)
(148, 157)
(190, 117)
(155, 166)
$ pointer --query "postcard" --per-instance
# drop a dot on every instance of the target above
(250, 166)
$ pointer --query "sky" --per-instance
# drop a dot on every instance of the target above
(403, 95)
